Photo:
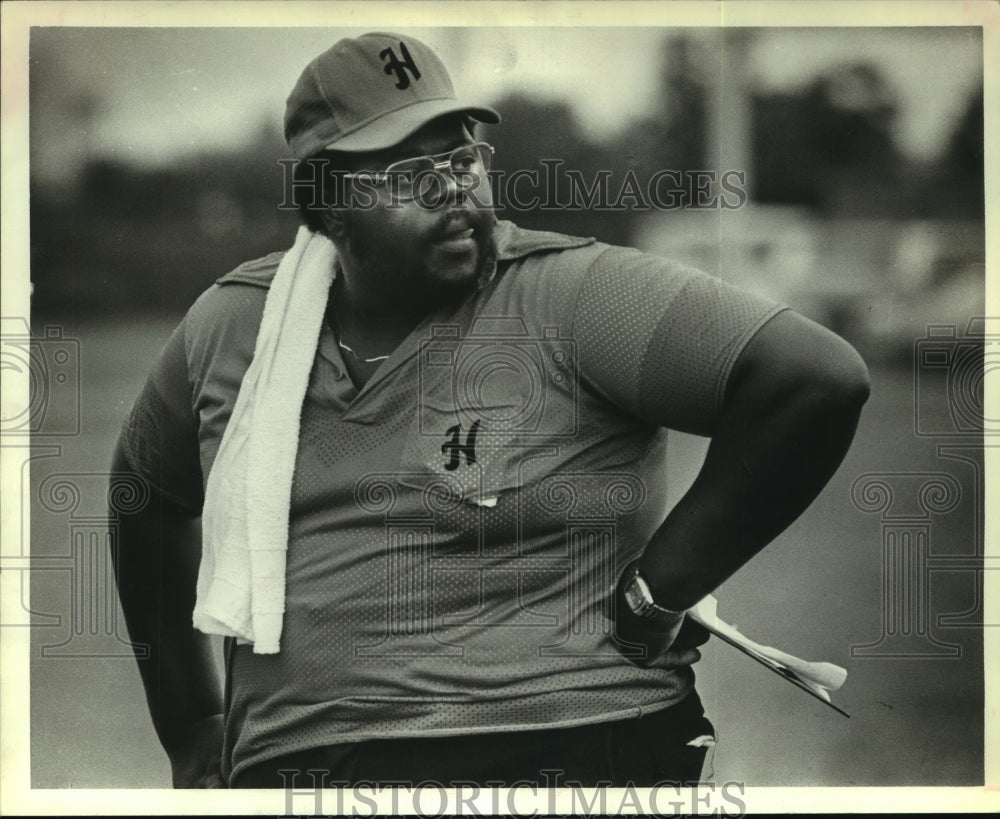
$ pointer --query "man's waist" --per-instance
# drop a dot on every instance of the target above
(259, 730)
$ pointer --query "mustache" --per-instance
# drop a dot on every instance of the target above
(458, 220)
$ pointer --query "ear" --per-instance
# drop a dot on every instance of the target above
(334, 222)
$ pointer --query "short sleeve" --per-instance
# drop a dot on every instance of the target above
(659, 338)
(160, 435)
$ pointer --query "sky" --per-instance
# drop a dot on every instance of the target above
(150, 95)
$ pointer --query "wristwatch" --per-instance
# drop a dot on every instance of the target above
(640, 599)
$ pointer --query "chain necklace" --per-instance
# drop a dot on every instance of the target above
(338, 333)
(359, 358)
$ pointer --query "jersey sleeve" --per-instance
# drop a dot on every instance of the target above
(160, 436)
(659, 338)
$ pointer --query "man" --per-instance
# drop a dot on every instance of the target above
(427, 451)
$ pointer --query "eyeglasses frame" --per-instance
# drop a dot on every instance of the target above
(441, 164)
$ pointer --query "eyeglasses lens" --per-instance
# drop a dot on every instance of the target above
(421, 176)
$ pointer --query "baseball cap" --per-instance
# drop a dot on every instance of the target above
(369, 93)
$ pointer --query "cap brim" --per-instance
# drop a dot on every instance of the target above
(394, 127)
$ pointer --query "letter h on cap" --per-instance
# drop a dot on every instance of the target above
(393, 64)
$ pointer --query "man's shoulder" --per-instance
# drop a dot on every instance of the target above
(539, 258)
(515, 242)
(226, 301)
(561, 254)
(234, 303)
(258, 272)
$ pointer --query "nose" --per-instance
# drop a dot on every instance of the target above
(474, 193)
(446, 187)
(471, 187)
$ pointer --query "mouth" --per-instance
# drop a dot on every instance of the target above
(458, 239)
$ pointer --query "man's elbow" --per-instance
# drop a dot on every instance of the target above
(794, 361)
(119, 463)
(842, 376)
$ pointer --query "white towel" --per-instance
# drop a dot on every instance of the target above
(241, 580)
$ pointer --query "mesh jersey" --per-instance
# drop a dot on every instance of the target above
(456, 525)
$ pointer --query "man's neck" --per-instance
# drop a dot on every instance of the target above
(375, 326)
(368, 335)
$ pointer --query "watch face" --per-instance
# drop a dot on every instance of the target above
(634, 596)
(640, 600)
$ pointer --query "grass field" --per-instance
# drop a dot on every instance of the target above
(815, 592)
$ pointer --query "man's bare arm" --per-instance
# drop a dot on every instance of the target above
(156, 562)
(791, 408)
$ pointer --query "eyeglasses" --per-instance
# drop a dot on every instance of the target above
(422, 177)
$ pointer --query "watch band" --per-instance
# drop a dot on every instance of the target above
(640, 599)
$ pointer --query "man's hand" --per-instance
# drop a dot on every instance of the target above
(666, 644)
(196, 755)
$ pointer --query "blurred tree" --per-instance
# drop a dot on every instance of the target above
(542, 140)
(64, 114)
(546, 138)
(954, 185)
(965, 150)
(132, 238)
(830, 147)
(674, 133)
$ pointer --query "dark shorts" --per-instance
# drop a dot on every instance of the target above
(641, 752)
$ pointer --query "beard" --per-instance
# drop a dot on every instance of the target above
(417, 270)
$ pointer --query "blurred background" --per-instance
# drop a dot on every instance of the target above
(155, 170)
